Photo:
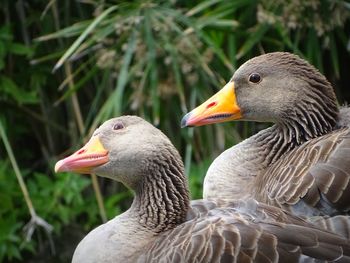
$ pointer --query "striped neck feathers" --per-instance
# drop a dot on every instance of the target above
(162, 198)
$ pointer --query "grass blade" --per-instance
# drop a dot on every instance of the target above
(202, 6)
(83, 36)
(253, 39)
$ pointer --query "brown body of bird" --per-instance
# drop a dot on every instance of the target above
(162, 225)
(302, 162)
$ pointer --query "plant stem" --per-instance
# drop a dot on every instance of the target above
(17, 171)
(79, 118)
(80, 123)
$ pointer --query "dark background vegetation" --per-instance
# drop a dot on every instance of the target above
(66, 66)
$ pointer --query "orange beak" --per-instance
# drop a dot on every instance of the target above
(221, 107)
(93, 154)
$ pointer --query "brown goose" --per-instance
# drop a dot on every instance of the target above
(163, 226)
(302, 162)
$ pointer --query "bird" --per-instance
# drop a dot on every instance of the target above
(302, 162)
(163, 225)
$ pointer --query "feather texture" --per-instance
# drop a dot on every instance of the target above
(316, 173)
(162, 225)
(302, 162)
(245, 231)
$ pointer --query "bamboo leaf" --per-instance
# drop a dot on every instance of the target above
(113, 104)
(83, 36)
(202, 6)
(124, 75)
(254, 37)
(286, 39)
(153, 75)
(232, 49)
(76, 86)
(67, 32)
(21, 96)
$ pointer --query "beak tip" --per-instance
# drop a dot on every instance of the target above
(58, 166)
(184, 120)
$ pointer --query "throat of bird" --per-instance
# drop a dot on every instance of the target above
(162, 199)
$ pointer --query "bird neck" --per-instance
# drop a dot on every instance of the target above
(240, 165)
(162, 198)
(309, 119)
(272, 143)
(302, 125)
(313, 116)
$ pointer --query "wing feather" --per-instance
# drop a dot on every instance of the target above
(316, 174)
(248, 231)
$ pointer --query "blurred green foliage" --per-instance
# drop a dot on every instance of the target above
(156, 59)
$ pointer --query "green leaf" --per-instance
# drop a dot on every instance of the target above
(83, 36)
(76, 86)
(5, 33)
(153, 72)
(254, 38)
(13, 252)
(3, 50)
(2, 64)
(202, 6)
(19, 49)
(69, 31)
(9, 87)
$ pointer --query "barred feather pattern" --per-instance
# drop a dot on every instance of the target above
(162, 226)
(245, 231)
(312, 179)
(302, 162)
(163, 198)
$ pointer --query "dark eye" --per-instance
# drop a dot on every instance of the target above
(255, 78)
(118, 126)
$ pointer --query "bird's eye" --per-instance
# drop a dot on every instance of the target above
(118, 126)
(255, 78)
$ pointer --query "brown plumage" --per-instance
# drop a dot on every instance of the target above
(162, 225)
(302, 162)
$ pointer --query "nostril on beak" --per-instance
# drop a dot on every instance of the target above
(81, 151)
(211, 104)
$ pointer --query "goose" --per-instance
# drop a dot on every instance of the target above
(162, 225)
(302, 162)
